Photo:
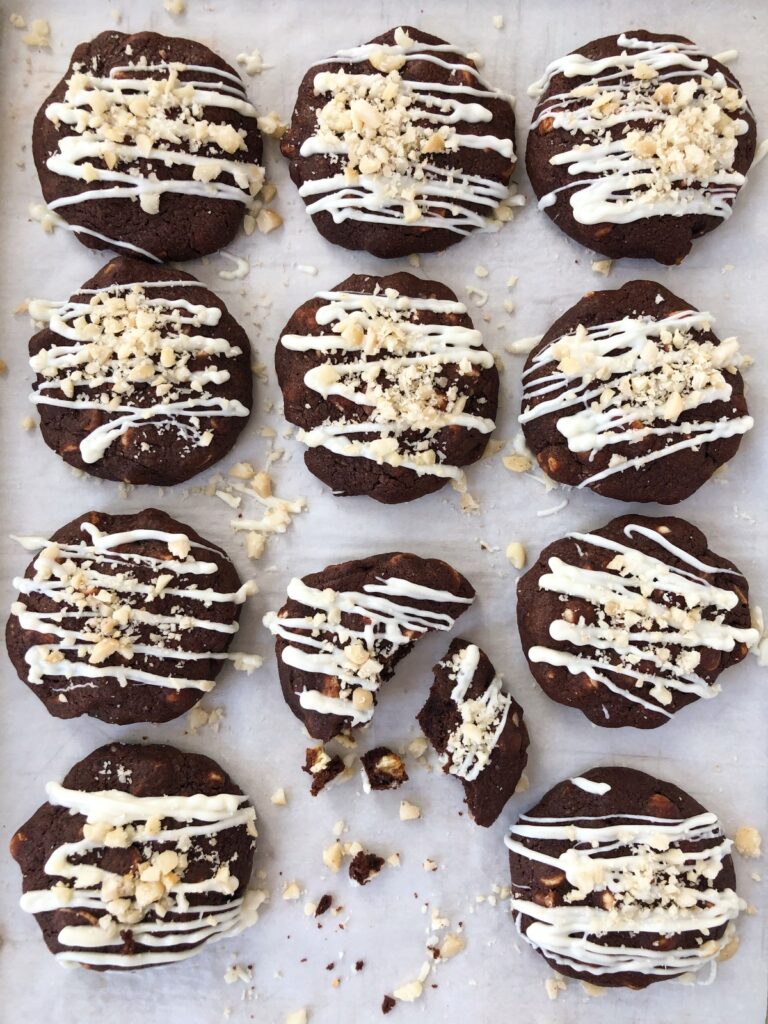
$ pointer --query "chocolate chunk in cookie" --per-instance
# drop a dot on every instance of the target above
(619, 879)
(149, 145)
(639, 144)
(476, 728)
(125, 618)
(141, 856)
(390, 385)
(634, 621)
(631, 394)
(143, 376)
(399, 146)
(343, 630)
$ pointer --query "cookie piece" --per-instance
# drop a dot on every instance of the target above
(321, 767)
(343, 630)
(399, 146)
(143, 375)
(476, 728)
(382, 769)
(634, 621)
(390, 385)
(631, 394)
(125, 618)
(364, 867)
(619, 879)
(639, 144)
(141, 856)
(149, 145)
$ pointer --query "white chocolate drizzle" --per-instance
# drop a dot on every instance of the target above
(102, 627)
(152, 902)
(126, 352)
(653, 885)
(483, 718)
(651, 641)
(628, 381)
(394, 369)
(652, 130)
(139, 117)
(322, 643)
(383, 130)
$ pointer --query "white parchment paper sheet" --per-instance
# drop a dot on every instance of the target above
(716, 750)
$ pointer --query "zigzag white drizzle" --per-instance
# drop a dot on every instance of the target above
(629, 380)
(123, 902)
(677, 156)
(637, 628)
(483, 718)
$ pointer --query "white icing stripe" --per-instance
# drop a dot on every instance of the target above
(156, 887)
(320, 643)
(126, 122)
(677, 157)
(639, 630)
(654, 887)
(596, 788)
(483, 718)
(124, 343)
(399, 375)
(410, 120)
(101, 616)
(628, 381)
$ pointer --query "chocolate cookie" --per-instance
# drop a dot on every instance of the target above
(620, 879)
(141, 856)
(149, 145)
(343, 630)
(399, 146)
(142, 376)
(631, 393)
(390, 385)
(476, 728)
(633, 622)
(639, 144)
(125, 618)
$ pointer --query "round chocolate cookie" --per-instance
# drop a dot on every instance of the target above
(619, 879)
(343, 630)
(639, 144)
(399, 146)
(149, 145)
(633, 622)
(390, 385)
(631, 394)
(141, 856)
(143, 375)
(477, 729)
(125, 618)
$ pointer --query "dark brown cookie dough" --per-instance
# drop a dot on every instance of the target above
(611, 622)
(402, 182)
(343, 630)
(128, 342)
(102, 158)
(183, 822)
(382, 769)
(464, 731)
(321, 767)
(643, 847)
(611, 389)
(86, 645)
(613, 105)
(434, 412)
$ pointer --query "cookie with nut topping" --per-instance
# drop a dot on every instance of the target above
(390, 384)
(400, 146)
(623, 880)
(140, 857)
(142, 376)
(125, 618)
(633, 622)
(639, 144)
(343, 630)
(632, 394)
(149, 146)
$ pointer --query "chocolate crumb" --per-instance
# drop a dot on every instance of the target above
(387, 1004)
(365, 866)
(323, 905)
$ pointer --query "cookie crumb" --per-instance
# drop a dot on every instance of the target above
(28, 423)
(429, 864)
(748, 842)
(39, 34)
(409, 811)
(332, 856)
(383, 769)
(387, 1004)
(365, 867)
(279, 798)
(554, 986)
(323, 904)
(516, 554)
(516, 463)
(252, 63)
(291, 891)
(175, 7)
(498, 21)
(322, 767)
(298, 1016)
(602, 267)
